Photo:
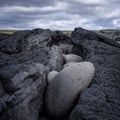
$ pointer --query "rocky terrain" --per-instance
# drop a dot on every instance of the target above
(29, 91)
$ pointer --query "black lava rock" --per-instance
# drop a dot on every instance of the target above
(101, 100)
(26, 57)
(4, 36)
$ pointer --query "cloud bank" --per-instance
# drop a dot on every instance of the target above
(59, 14)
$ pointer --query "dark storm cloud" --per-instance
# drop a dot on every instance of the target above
(59, 14)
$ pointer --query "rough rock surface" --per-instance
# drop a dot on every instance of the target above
(4, 36)
(22, 93)
(117, 39)
(26, 57)
(56, 58)
(63, 90)
(63, 41)
(101, 100)
(112, 35)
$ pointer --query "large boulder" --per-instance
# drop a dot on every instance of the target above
(72, 58)
(101, 100)
(51, 76)
(63, 90)
(68, 64)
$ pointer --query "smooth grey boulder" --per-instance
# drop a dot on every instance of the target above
(64, 89)
(69, 64)
(51, 76)
(72, 58)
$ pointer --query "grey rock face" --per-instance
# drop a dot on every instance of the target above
(101, 100)
(23, 90)
(111, 34)
(117, 39)
(62, 40)
(66, 47)
(80, 34)
(19, 48)
(26, 58)
(59, 37)
(4, 36)
(64, 89)
(56, 58)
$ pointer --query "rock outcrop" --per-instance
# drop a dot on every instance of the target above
(101, 100)
(63, 41)
(26, 58)
(4, 36)
(110, 34)
(23, 87)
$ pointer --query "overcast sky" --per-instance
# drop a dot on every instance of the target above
(59, 14)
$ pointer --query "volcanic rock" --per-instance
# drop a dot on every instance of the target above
(26, 57)
(4, 36)
(23, 90)
(101, 100)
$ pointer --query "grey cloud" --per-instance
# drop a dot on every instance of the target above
(107, 23)
(59, 14)
(27, 2)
